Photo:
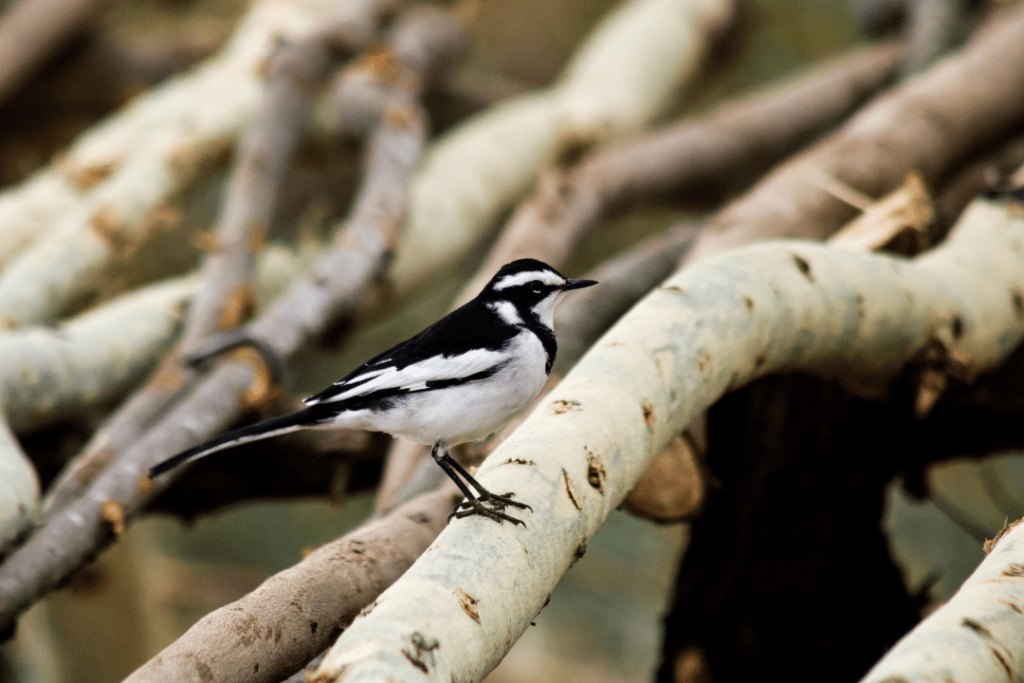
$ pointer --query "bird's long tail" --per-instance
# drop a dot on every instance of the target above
(302, 419)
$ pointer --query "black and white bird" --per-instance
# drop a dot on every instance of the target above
(459, 380)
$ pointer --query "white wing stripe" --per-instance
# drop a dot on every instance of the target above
(415, 377)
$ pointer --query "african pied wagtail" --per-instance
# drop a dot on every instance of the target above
(459, 380)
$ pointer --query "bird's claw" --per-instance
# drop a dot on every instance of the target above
(491, 506)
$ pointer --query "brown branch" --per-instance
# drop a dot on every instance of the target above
(31, 31)
(334, 287)
(929, 124)
(278, 628)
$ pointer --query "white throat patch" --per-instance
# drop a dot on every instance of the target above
(545, 276)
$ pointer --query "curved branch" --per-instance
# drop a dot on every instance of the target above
(716, 325)
(976, 636)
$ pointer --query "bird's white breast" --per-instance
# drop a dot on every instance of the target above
(466, 412)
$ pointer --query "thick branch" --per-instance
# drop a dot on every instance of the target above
(716, 325)
(974, 637)
(275, 630)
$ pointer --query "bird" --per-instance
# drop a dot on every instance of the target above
(459, 380)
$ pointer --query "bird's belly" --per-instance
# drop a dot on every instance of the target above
(467, 412)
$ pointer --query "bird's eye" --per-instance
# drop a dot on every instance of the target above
(536, 288)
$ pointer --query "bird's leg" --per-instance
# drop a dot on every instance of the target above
(485, 503)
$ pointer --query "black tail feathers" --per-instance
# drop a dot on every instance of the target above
(254, 432)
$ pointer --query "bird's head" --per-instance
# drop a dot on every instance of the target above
(531, 286)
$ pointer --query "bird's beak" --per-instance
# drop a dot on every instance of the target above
(577, 284)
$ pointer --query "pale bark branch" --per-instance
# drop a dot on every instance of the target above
(974, 637)
(112, 190)
(294, 73)
(275, 630)
(716, 325)
(50, 374)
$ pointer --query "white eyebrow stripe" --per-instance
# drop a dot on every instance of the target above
(506, 310)
(545, 276)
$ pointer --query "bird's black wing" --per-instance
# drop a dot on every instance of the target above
(464, 346)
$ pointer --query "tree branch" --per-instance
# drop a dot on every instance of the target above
(928, 124)
(275, 630)
(976, 636)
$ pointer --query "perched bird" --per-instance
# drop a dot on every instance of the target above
(459, 380)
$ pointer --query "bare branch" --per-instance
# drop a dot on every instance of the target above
(275, 630)
(33, 30)
(976, 635)
(928, 124)
(116, 186)
(49, 374)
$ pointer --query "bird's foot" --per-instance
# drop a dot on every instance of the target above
(491, 506)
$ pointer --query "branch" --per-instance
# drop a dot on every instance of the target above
(31, 31)
(275, 630)
(928, 124)
(625, 75)
(976, 636)
(51, 374)
(112, 190)
(716, 325)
